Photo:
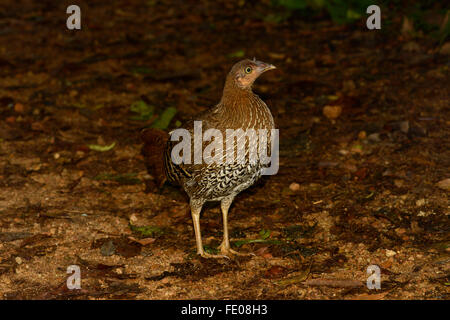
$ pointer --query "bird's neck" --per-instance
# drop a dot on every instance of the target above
(242, 108)
(235, 97)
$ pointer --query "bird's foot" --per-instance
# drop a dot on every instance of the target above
(230, 251)
(226, 250)
(214, 256)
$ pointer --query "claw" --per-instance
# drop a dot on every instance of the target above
(230, 251)
(214, 256)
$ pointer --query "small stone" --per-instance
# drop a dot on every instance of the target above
(294, 186)
(19, 108)
(390, 253)
(444, 184)
(420, 202)
(404, 126)
(18, 260)
(36, 167)
(133, 218)
(398, 183)
(425, 214)
(332, 112)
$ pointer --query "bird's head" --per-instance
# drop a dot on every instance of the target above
(245, 72)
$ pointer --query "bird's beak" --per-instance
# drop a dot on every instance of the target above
(263, 67)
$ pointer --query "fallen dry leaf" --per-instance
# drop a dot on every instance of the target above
(144, 241)
(275, 272)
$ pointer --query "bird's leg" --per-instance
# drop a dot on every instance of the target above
(225, 206)
(195, 212)
(196, 208)
(225, 245)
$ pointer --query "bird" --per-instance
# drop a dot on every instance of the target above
(238, 108)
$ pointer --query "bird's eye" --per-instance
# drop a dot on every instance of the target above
(248, 69)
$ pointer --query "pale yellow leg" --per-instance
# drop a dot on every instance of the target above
(195, 212)
(225, 245)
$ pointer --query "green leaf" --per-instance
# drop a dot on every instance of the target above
(144, 111)
(264, 234)
(237, 54)
(210, 250)
(146, 231)
(99, 148)
(164, 119)
(353, 15)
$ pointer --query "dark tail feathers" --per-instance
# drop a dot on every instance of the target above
(153, 151)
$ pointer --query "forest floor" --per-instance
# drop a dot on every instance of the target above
(362, 184)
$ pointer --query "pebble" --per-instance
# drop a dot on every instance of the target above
(404, 126)
(420, 202)
(19, 108)
(424, 214)
(332, 112)
(133, 218)
(18, 260)
(294, 186)
(444, 184)
(390, 253)
(398, 183)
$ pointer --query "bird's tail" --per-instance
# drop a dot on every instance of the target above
(155, 141)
